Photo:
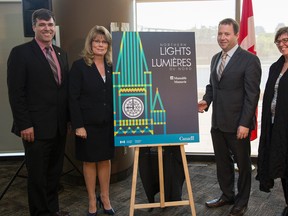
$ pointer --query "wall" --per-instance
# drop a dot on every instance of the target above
(11, 34)
(75, 20)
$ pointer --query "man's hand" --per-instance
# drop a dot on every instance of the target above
(28, 134)
(242, 132)
(202, 105)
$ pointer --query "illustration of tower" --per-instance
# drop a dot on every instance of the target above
(138, 108)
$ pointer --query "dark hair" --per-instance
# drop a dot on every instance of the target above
(283, 30)
(42, 14)
(230, 21)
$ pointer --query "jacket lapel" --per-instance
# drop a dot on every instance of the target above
(39, 53)
(232, 61)
(61, 62)
(214, 66)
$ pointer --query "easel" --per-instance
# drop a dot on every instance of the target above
(13, 178)
(21, 166)
(162, 202)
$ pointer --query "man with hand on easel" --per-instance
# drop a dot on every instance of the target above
(234, 90)
(37, 86)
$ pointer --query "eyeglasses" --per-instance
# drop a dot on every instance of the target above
(284, 41)
(98, 42)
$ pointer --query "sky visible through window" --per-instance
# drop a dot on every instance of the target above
(185, 15)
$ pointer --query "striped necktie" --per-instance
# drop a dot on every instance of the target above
(52, 64)
(222, 65)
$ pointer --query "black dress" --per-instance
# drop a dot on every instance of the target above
(99, 143)
(91, 107)
(273, 146)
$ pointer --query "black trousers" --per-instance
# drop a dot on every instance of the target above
(173, 172)
(226, 147)
(285, 189)
(44, 162)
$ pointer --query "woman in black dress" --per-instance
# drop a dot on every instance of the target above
(273, 146)
(91, 110)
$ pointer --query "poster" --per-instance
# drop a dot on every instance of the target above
(154, 88)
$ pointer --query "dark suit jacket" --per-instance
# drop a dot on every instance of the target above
(273, 150)
(235, 96)
(35, 98)
(91, 100)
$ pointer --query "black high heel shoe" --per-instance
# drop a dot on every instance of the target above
(91, 214)
(106, 211)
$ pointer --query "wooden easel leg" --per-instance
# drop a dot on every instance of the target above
(162, 203)
(134, 181)
(161, 177)
(187, 178)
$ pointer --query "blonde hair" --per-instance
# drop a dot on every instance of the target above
(87, 52)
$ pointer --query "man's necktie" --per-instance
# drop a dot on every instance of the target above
(222, 65)
(52, 64)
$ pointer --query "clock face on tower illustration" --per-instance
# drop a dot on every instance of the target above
(133, 107)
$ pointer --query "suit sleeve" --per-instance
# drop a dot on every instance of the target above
(208, 97)
(252, 80)
(17, 81)
(75, 86)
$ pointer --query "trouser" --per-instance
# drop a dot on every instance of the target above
(44, 162)
(226, 145)
(285, 189)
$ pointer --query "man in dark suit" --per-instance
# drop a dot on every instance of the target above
(234, 93)
(38, 97)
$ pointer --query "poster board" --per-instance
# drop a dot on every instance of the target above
(154, 88)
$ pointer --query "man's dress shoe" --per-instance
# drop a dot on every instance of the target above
(238, 211)
(218, 203)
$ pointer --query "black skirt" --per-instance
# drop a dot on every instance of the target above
(98, 146)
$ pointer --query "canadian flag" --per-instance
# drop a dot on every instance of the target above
(248, 42)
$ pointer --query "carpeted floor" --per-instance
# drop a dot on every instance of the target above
(73, 197)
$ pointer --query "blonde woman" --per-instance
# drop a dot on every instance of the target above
(90, 98)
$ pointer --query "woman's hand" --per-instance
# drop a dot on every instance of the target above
(81, 132)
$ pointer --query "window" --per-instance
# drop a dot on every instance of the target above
(202, 17)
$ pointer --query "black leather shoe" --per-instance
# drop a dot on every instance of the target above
(106, 211)
(109, 211)
(238, 211)
(218, 203)
(92, 214)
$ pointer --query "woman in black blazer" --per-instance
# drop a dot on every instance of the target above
(90, 90)
(272, 160)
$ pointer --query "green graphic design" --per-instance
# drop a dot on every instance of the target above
(136, 111)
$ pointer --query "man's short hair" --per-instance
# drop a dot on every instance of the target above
(230, 21)
(42, 14)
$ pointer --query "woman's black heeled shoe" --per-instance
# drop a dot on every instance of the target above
(109, 211)
(92, 214)
(106, 211)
